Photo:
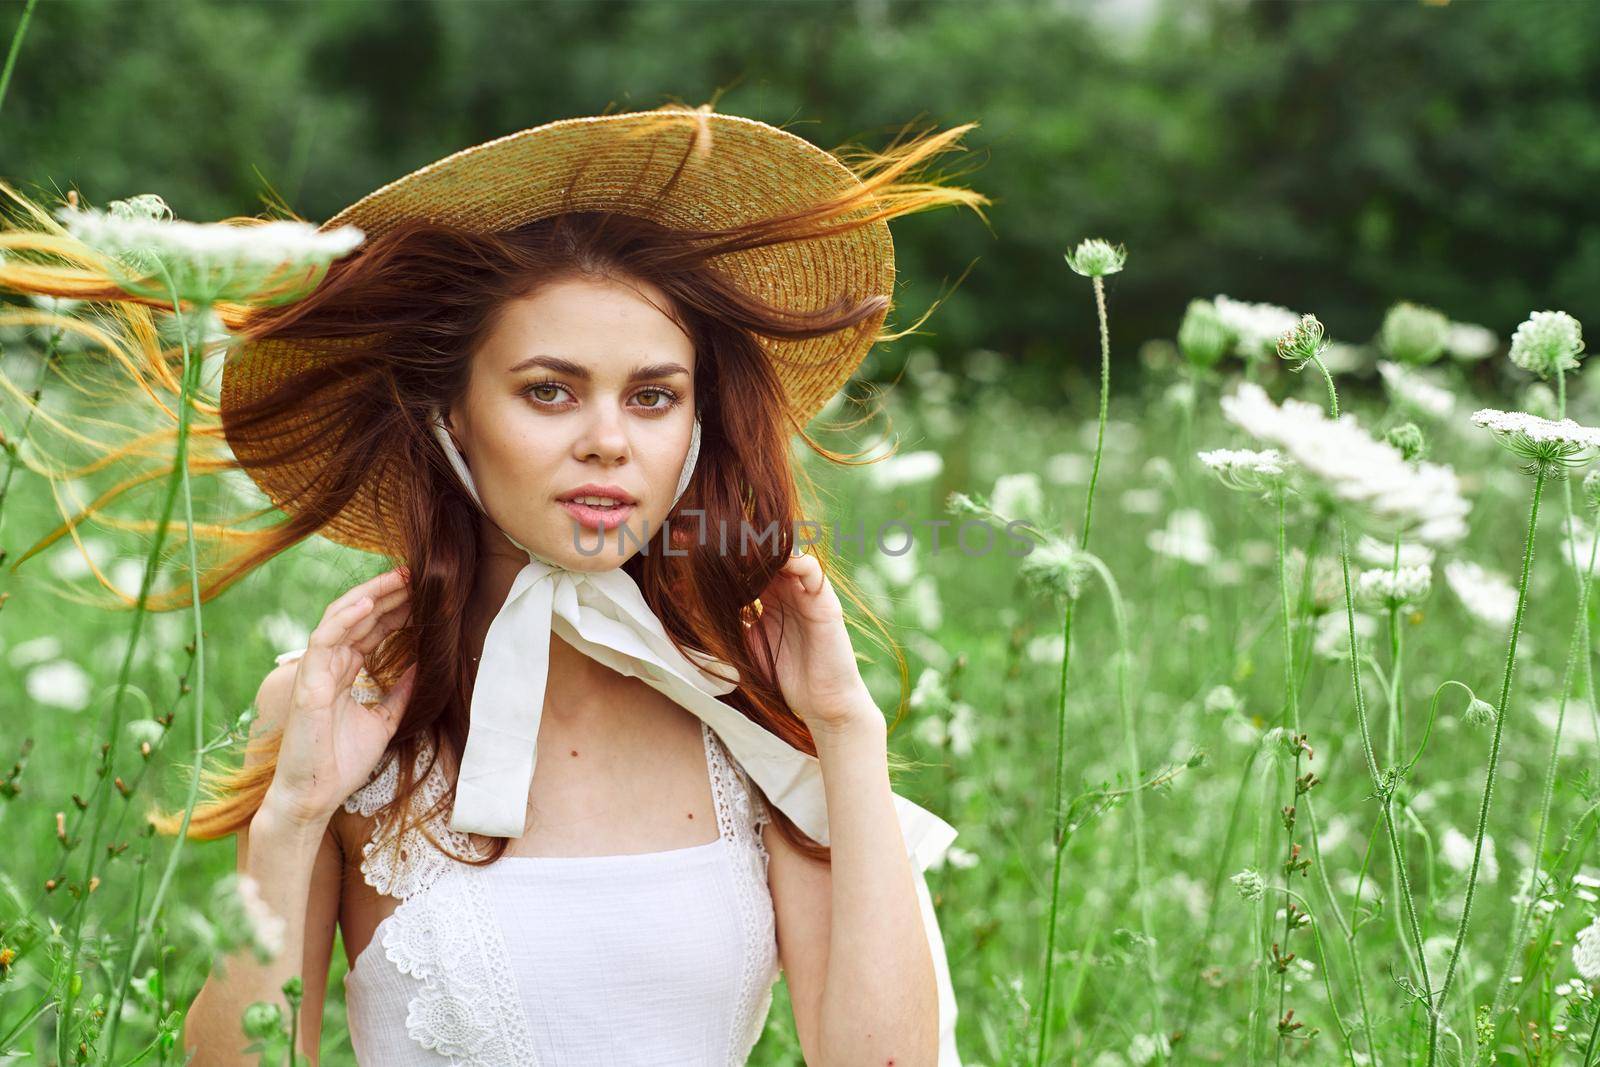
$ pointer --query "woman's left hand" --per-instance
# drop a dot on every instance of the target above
(803, 622)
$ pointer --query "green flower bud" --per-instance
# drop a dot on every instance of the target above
(1408, 438)
(262, 1020)
(1479, 713)
(1250, 884)
(1304, 342)
(1203, 336)
(1539, 399)
(1412, 333)
(1548, 342)
(1055, 569)
(1095, 258)
(1591, 490)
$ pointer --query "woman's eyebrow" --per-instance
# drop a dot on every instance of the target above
(578, 370)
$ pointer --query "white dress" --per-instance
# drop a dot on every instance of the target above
(650, 958)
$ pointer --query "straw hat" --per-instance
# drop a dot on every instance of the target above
(734, 170)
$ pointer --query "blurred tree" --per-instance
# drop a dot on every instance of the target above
(1332, 157)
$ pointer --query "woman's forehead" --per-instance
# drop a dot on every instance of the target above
(589, 327)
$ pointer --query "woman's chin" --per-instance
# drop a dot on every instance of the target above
(580, 547)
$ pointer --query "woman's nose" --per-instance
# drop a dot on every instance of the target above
(605, 438)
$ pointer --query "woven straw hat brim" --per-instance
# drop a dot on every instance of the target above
(741, 170)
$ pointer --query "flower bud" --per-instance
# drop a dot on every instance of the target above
(1202, 336)
(1250, 884)
(1548, 342)
(1408, 438)
(1304, 342)
(1591, 490)
(1412, 333)
(262, 1020)
(1095, 258)
(1479, 713)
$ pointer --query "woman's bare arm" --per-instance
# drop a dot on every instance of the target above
(298, 868)
(329, 746)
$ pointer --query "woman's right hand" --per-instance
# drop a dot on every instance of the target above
(331, 741)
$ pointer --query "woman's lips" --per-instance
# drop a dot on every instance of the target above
(598, 518)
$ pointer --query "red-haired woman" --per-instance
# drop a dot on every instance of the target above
(557, 386)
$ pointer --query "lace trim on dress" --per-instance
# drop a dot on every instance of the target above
(732, 792)
(402, 862)
(443, 934)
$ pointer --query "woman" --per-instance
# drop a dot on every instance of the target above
(557, 385)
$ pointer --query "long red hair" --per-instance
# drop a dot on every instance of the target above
(415, 302)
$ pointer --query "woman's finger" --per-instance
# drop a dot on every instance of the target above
(382, 626)
(374, 587)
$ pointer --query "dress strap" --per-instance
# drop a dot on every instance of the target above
(741, 813)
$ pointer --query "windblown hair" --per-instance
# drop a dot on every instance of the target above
(413, 306)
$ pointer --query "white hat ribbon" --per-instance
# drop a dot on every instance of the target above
(604, 615)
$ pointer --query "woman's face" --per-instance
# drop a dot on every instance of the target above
(584, 389)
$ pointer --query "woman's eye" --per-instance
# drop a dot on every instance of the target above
(666, 398)
(546, 392)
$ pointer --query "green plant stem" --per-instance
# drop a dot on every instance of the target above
(1385, 792)
(98, 798)
(1239, 794)
(1577, 647)
(1395, 733)
(16, 47)
(1057, 806)
(192, 366)
(1437, 1010)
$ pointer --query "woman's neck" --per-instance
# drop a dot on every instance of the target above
(575, 680)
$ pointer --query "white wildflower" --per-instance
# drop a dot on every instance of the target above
(1221, 699)
(1257, 326)
(930, 696)
(956, 856)
(61, 684)
(1486, 595)
(1018, 496)
(1586, 952)
(1332, 637)
(1394, 587)
(266, 927)
(1468, 341)
(1540, 441)
(1187, 536)
(924, 603)
(207, 262)
(1579, 537)
(1412, 390)
(39, 649)
(1140, 501)
(1456, 848)
(1376, 553)
(1421, 500)
(1067, 468)
(1242, 468)
(905, 468)
(1548, 342)
(1145, 1047)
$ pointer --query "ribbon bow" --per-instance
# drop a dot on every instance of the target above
(604, 615)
